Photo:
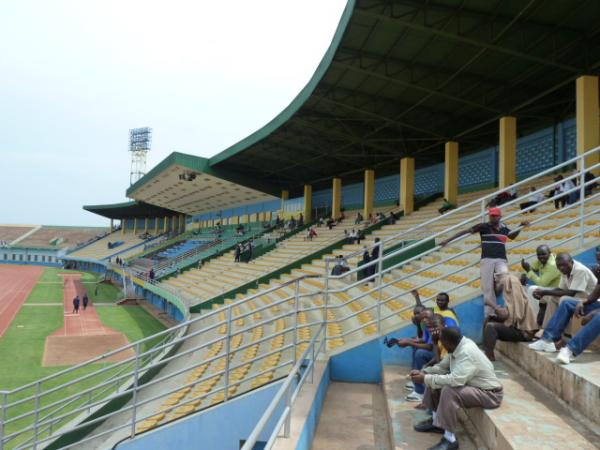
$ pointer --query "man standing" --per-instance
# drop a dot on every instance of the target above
(463, 379)
(76, 302)
(544, 274)
(85, 301)
(576, 281)
(494, 235)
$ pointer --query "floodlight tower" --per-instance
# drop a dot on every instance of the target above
(140, 140)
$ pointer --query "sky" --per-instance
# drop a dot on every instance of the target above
(75, 76)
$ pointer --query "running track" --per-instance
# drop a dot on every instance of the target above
(86, 323)
(16, 282)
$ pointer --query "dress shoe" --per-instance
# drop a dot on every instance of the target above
(445, 444)
(427, 427)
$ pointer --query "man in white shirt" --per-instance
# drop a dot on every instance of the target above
(577, 281)
(465, 378)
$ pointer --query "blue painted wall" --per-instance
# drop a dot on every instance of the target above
(220, 428)
(312, 420)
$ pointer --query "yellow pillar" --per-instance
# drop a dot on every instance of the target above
(508, 152)
(156, 220)
(165, 224)
(369, 192)
(269, 216)
(112, 225)
(307, 212)
(145, 224)
(135, 225)
(451, 172)
(123, 225)
(588, 118)
(407, 185)
(285, 195)
(336, 200)
(182, 223)
(245, 218)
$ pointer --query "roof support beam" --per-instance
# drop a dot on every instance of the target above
(470, 41)
(414, 86)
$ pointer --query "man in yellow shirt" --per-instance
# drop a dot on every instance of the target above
(543, 273)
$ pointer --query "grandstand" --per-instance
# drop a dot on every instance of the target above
(412, 102)
(60, 237)
(9, 233)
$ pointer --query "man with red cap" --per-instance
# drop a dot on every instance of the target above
(494, 235)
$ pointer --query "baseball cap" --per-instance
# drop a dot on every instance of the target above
(495, 212)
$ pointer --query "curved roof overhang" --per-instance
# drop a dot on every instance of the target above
(129, 210)
(187, 184)
(402, 78)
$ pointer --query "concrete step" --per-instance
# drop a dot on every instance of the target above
(353, 417)
(402, 416)
(530, 417)
(577, 384)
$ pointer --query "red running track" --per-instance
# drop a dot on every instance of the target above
(16, 282)
(86, 323)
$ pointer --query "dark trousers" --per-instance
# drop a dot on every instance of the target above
(525, 205)
(495, 331)
(560, 202)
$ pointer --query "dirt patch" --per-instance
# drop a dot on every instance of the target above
(71, 350)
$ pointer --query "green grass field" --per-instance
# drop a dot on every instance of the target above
(22, 346)
(50, 288)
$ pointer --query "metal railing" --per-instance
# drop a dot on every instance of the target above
(300, 312)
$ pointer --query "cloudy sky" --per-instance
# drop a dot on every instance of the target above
(76, 76)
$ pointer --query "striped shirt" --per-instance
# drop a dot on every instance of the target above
(493, 240)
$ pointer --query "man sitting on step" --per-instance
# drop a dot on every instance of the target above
(588, 310)
(576, 282)
(463, 379)
(543, 273)
(514, 322)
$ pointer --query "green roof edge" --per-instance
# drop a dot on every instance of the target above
(299, 100)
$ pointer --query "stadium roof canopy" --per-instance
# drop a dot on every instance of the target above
(129, 210)
(189, 185)
(402, 78)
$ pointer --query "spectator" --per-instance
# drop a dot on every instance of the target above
(300, 220)
(366, 258)
(442, 307)
(464, 379)
(513, 323)
(392, 220)
(576, 281)
(238, 252)
(590, 184)
(563, 188)
(534, 199)
(340, 266)
(494, 235)
(422, 352)
(359, 219)
(543, 273)
(312, 233)
(85, 301)
(569, 307)
(151, 274)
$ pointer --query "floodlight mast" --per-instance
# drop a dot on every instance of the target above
(140, 140)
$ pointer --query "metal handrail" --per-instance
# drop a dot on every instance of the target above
(380, 284)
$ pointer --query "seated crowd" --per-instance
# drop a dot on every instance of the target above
(450, 372)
